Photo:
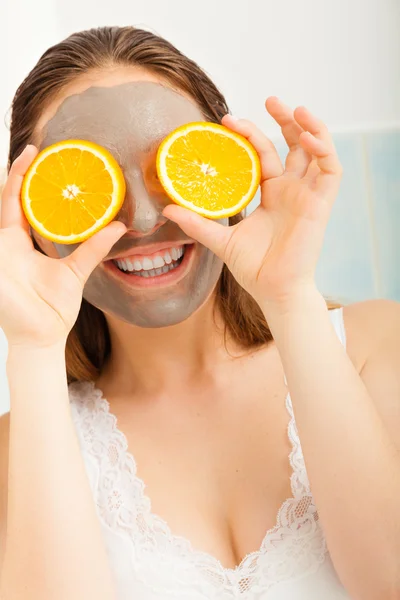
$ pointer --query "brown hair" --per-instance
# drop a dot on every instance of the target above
(88, 344)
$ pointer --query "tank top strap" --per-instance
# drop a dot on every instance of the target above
(337, 319)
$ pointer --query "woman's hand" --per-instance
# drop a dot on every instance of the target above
(273, 253)
(40, 296)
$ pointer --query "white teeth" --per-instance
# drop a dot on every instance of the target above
(147, 263)
(150, 267)
(157, 272)
(129, 264)
(158, 262)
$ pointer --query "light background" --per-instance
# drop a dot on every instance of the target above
(341, 59)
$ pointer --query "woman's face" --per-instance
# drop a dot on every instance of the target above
(164, 277)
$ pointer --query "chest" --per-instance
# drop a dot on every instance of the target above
(177, 517)
(215, 463)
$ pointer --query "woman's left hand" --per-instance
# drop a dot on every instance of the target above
(273, 253)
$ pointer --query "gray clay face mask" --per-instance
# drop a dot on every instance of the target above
(130, 120)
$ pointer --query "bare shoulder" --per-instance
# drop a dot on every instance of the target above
(372, 330)
(4, 445)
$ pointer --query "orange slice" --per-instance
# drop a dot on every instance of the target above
(71, 190)
(209, 169)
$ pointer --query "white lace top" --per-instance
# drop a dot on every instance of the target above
(150, 563)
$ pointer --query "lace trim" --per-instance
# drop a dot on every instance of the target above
(293, 548)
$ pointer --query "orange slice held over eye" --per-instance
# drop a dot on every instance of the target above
(209, 169)
(71, 190)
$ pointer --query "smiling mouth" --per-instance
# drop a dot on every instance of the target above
(152, 266)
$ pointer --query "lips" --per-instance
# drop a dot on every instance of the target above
(166, 275)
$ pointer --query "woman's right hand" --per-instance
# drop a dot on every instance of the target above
(40, 297)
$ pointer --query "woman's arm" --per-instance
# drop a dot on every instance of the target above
(54, 548)
(352, 455)
(352, 459)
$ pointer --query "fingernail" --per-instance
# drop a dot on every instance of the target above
(234, 117)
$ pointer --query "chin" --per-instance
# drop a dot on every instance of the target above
(158, 306)
(157, 315)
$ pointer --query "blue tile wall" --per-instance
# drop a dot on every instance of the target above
(346, 270)
(383, 159)
(361, 251)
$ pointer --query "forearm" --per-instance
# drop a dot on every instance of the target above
(353, 468)
(54, 547)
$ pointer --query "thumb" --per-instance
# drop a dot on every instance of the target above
(91, 252)
(209, 233)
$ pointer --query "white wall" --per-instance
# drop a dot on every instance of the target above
(341, 59)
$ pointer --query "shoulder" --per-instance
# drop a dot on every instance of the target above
(372, 330)
(373, 333)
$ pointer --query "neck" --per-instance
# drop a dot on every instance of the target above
(145, 361)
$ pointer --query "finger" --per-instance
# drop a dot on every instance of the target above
(90, 253)
(320, 144)
(271, 165)
(328, 163)
(308, 122)
(319, 139)
(12, 214)
(298, 159)
(312, 172)
(211, 234)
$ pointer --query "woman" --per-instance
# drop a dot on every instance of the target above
(196, 366)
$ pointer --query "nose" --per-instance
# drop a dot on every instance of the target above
(141, 211)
